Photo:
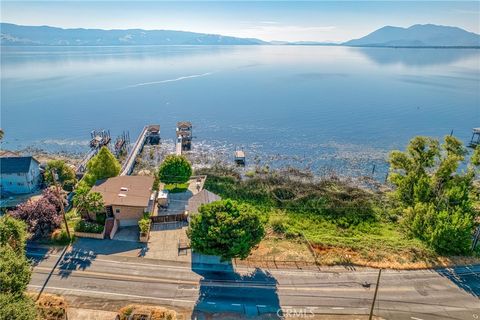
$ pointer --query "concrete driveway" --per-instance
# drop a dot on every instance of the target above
(163, 242)
(127, 234)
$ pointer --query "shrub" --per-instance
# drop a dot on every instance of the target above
(100, 218)
(155, 313)
(144, 223)
(41, 217)
(87, 202)
(227, 229)
(60, 236)
(175, 169)
(51, 307)
(17, 306)
(14, 271)
(90, 227)
(278, 225)
(13, 232)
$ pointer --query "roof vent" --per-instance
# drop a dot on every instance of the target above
(123, 189)
(122, 195)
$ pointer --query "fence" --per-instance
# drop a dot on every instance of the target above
(169, 218)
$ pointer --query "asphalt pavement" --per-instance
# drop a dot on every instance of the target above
(214, 288)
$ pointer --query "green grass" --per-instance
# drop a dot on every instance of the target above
(330, 214)
(176, 188)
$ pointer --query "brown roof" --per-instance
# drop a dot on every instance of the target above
(184, 124)
(203, 197)
(133, 191)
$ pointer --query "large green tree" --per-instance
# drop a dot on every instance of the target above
(66, 174)
(175, 169)
(436, 196)
(88, 202)
(227, 229)
(102, 166)
(13, 232)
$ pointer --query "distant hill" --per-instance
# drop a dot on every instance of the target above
(12, 34)
(426, 35)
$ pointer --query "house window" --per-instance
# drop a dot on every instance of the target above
(20, 183)
(117, 210)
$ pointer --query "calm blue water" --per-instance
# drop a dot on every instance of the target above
(322, 107)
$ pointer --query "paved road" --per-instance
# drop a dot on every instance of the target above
(412, 295)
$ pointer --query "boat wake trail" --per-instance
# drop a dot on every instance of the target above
(168, 80)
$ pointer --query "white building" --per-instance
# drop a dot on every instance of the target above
(19, 175)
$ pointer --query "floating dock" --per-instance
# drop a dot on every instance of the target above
(239, 157)
(475, 141)
(149, 134)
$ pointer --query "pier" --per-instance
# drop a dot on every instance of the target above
(150, 134)
(98, 139)
(184, 137)
(475, 141)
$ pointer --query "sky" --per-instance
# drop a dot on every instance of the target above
(324, 21)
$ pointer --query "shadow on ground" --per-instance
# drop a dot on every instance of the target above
(84, 251)
(37, 254)
(466, 278)
(225, 291)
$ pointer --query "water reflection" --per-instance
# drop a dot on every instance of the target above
(417, 57)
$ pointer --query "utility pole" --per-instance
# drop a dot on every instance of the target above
(62, 208)
(375, 295)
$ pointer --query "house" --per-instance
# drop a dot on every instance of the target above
(203, 197)
(19, 175)
(126, 198)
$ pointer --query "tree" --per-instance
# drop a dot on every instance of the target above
(41, 217)
(66, 175)
(52, 197)
(15, 271)
(174, 170)
(435, 198)
(102, 166)
(227, 229)
(88, 202)
(18, 307)
(13, 232)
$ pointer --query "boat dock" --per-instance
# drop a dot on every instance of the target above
(184, 137)
(475, 141)
(240, 157)
(149, 134)
(98, 139)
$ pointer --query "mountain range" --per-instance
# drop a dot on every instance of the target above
(427, 35)
(419, 35)
(12, 34)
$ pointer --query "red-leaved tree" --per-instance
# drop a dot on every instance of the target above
(41, 216)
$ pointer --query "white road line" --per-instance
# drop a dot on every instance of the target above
(338, 308)
(111, 293)
(236, 304)
(210, 302)
(261, 306)
(429, 272)
(415, 318)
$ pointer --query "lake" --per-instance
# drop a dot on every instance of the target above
(325, 108)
